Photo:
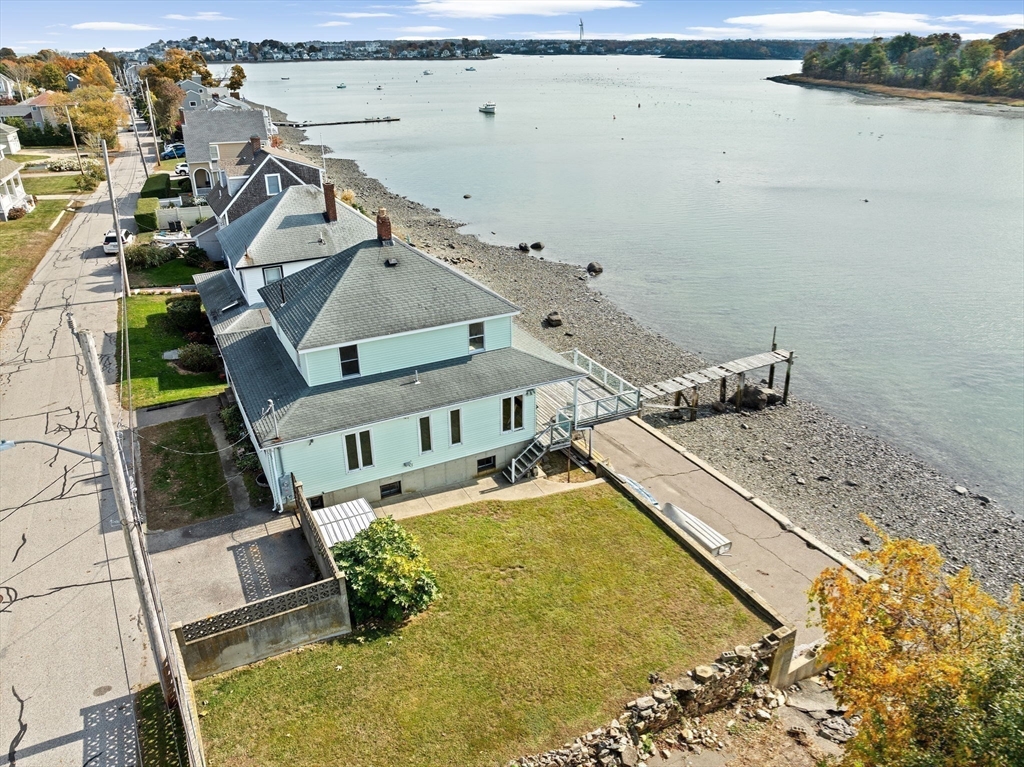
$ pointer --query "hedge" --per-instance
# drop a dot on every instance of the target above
(157, 185)
(145, 213)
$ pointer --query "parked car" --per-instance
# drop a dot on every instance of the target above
(110, 241)
(172, 152)
(181, 169)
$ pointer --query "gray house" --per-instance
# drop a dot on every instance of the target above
(213, 138)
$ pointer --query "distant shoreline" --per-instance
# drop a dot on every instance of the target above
(889, 90)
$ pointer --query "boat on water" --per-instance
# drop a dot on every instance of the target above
(380, 87)
(470, 69)
(341, 85)
(286, 78)
(427, 72)
(488, 108)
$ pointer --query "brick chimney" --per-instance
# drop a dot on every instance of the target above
(383, 225)
(254, 142)
(181, 115)
(234, 94)
(330, 203)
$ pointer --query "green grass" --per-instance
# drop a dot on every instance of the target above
(154, 381)
(19, 157)
(22, 244)
(160, 732)
(51, 184)
(175, 272)
(169, 164)
(184, 483)
(552, 613)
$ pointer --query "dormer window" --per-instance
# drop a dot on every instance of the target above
(272, 274)
(476, 337)
(349, 361)
(273, 184)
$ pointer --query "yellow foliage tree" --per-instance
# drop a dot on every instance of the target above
(911, 644)
(94, 112)
(94, 71)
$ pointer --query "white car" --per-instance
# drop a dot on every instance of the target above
(110, 241)
(181, 169)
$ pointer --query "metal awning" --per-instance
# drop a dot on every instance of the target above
(342, 522)
(706, 536)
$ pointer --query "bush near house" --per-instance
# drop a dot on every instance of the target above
(158, 185)
(185, 313)
(197, 358)
(146, 255)
(145, 213)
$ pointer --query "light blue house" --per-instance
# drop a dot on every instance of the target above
(380, 370)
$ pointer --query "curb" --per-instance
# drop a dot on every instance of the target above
(783, 521)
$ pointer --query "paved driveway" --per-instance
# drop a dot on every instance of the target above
(71, 648)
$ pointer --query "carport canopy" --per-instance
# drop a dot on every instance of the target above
(342, 522)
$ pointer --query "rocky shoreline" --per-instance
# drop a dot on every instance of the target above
(821, 472)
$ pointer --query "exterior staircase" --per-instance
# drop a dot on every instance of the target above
(557, 435)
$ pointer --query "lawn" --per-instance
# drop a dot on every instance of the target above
(185, 483)
(175, 272)
(155, 380)
(168, 165)
(22, 244)
(18, 157)
(51, 184)
(552, 613)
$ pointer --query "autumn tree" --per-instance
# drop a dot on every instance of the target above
(94, 71)
(168, 98)
(94, 113)
(51, 77)
(237, 77)
(921, 656)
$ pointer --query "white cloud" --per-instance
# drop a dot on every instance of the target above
(201, 16)
(335, 24)
(825, 24)
(1009, 20)
(113, 26)
(36, 42)
(361, 15)
(423, 30)
(493, 9)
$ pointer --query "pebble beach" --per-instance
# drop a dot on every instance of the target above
(820, 471)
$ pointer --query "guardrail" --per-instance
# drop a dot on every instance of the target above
(598, 372)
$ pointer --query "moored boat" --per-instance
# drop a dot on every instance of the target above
(427, 72)
(488, 108)
(470, 69)
(341, 85)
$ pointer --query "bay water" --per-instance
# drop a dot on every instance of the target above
(883, 237)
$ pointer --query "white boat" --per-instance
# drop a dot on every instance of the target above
(286, 78)
(427, 72)
(488, 108)
(341, 85)
(470, 69)
(380, 87)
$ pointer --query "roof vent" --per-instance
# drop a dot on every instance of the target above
(320, 237)
(391, 262)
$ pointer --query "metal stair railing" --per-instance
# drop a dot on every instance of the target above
(556, 435)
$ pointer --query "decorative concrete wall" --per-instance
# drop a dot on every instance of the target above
(321, 551)
(264, 628)
(189, 216)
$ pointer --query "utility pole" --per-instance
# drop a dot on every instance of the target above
(135, 130)
(74, 140)
(140, 573)
(152, 124)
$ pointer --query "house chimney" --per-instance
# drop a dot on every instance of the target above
(254, 141)
(181, 115)
(330, 203)
(383, 226)
(234, 95)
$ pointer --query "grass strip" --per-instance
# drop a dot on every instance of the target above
(23, 243)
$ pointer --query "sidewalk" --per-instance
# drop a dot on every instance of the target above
(778, 564)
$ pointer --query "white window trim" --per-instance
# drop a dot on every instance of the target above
(266, 180)
(193, 104)
(419, 433)
(450, 442)
(483, 336)
(501, 413)
(359, 450)
(214, 152)
(406, 332)
(265, 268)
(359, 362)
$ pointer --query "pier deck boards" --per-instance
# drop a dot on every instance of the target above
(714, 373)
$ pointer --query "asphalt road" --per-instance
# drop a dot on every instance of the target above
(72, 646)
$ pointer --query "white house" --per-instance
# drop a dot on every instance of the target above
(12, 193)
(9, 142)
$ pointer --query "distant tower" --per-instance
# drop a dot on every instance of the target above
(581, 30)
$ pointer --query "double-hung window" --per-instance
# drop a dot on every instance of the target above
(349, 361)
(426, 445)
(214, 152)
(272, 274)
(358, 450)
(512, 413)
(273, 183)
(476, 337)
(455, 423)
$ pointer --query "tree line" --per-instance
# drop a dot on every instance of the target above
(939, 62)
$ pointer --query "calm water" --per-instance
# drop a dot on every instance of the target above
(725, 205)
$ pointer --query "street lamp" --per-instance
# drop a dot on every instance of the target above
(7, 444)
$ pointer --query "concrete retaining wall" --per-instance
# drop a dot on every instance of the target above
(264, 628)
(321, 552)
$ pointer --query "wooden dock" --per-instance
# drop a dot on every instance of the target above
(340, 122)
(688, 383)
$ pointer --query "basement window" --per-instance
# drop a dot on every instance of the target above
(391, 489)
(273, 184)
(476, 337)
(486, 464)
(349, 361)
(316, 502)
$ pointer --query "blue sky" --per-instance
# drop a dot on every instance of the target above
(73, 25)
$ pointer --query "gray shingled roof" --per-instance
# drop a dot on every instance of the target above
(260, 369)
(288, 227)
(8, 168)
(219, 290)
(5, 128)
(353, 296)
(203, 128)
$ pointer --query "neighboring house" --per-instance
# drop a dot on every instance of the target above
(12, 193)
(379, 370)
(72, 81)
(212, 138)
(36, 111)
(196, 94)
(9, 142)
(8, 88)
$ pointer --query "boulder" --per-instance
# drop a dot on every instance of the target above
(537, 245)
(554, 319)
(754, 398)
(594, 267)
(524, 247)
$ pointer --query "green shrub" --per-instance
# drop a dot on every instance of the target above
(234, 426)
(146, 255)
(196, 256)
(198, 358)
(185, 313)
(157, 185)
(145, 213)
(247, 460)
(388, 576)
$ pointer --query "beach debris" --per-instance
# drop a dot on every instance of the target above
(594, 268)
(524, 247)
(960, 490)
(537, 245)
(554, 319)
